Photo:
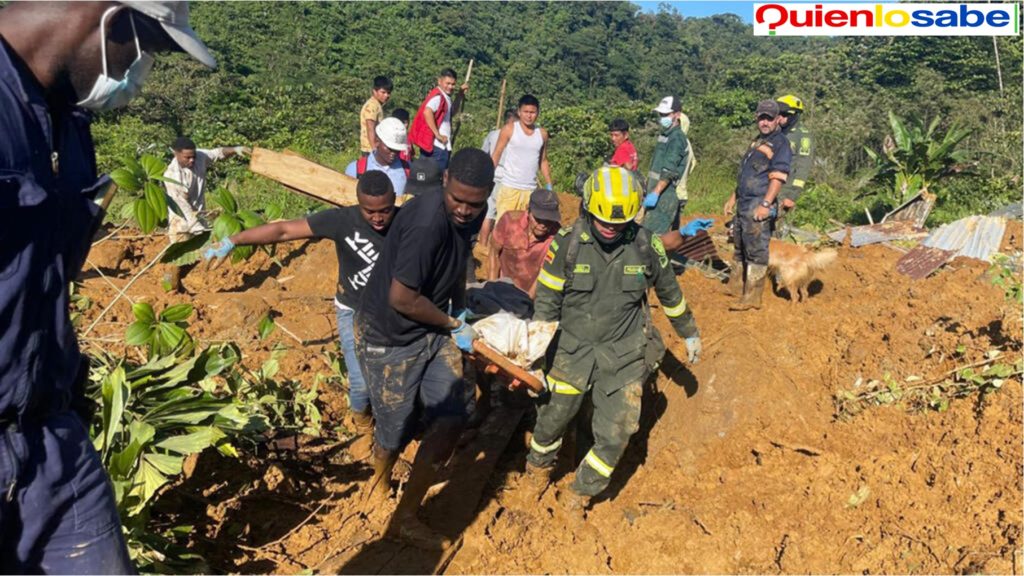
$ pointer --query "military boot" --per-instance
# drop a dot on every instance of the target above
(753, 289)
(362, 445)
(536, 481)
(735, 286)
(574, 505)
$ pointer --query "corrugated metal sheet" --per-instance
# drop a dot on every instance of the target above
(922, 261)
(698, 247)
(876, 233)
(975, 237)
(915, 210)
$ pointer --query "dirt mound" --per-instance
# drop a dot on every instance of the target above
(742, 463)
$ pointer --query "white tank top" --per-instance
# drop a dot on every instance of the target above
(521, 158)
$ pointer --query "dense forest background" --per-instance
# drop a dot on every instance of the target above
(294, 74)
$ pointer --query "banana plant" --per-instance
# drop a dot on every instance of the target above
(916, 157)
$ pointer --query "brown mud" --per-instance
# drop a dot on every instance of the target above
(742, 463)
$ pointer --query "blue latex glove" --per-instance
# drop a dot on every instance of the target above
(651, 200)
(693, 349)
(464, 336)
(695, 226)
(219, 250)
(548, 186)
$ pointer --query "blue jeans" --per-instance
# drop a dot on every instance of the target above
(418, 383)
(358, 395)
(440, 156)
(57, 511)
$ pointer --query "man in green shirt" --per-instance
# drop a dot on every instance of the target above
(594, 281)
(671, 155)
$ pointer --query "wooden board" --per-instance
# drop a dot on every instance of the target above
(304, 176)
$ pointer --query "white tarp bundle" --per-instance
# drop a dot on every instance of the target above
(521, 341)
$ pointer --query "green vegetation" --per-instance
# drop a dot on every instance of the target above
(294, 75)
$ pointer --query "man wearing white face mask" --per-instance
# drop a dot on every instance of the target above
(671, 154)
(58, 61)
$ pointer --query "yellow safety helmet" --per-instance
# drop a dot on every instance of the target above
(612, 195)
(792, 101)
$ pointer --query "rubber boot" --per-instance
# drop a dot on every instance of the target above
(379, 487)
(735, 286)
(753, 289)
(536, 481)
(362, 445)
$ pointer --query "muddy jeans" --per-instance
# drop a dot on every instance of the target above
(751, 238)
(616, 418)
(358, 395)
(422, 378)
(57, 511)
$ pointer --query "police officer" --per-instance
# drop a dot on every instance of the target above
(763, 171)
(594, 281)
(801, 143)
(58, 63)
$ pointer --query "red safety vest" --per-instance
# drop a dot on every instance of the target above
(419, 132)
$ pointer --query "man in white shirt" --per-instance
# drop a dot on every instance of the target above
(490, 141)
(431, 129)
(391, 141)
(188, 170)
(520, 151)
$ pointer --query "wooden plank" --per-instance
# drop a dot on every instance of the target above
(304, 176)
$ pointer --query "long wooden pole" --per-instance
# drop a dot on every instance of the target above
(457, 106)
(501, 105)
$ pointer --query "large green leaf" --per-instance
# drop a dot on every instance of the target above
(146, 217)
(225, 225)
(176, 313)
(157, 199)
(219, 359)
(250, 219)
(165, 463)
(126, 180)
(197, 441)
(138, 333)
(115, 395)
(143, 312)
(153, 166)
(148, 480)
(170, 335)
(186, 251)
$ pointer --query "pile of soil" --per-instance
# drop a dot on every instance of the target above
(743, 462)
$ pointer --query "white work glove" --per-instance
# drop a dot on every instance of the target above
(693, 349)
(242, 150)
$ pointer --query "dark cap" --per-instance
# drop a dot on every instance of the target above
(424, 175)
(544, 205)
(767, 108)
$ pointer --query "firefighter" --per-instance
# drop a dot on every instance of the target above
(594, 282)
(801, 143)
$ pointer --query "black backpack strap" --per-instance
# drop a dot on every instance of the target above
(572, 252)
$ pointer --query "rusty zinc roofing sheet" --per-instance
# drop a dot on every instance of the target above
(922, 261)
(975, 237)
(876, 233)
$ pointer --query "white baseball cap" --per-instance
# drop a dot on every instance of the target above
(392, 133)
(173, 16)
(668, 105)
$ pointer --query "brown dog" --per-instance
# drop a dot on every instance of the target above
(794, 266)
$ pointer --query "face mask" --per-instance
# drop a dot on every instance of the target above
(108, 93)
(665, 121)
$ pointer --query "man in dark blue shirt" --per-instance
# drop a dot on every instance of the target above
(58, 61)
(763, 171)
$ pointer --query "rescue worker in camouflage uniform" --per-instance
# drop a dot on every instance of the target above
(594, 282)
(763, 171)
(801, 143)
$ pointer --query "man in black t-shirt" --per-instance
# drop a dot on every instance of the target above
(358, 233)
(404, 334)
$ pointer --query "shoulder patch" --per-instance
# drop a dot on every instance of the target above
(584, 237)
(805, 146)
(581, 269)
(553, 246)
(565, 231)
(659, 249)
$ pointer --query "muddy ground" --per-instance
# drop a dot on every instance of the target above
(742, 463)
